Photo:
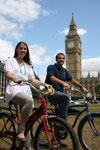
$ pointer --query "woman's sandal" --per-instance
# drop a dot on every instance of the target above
(21, 136)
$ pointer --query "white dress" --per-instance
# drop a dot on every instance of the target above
(12, 89)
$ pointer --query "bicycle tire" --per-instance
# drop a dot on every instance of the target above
(7, 132)
(88, 140)
(66, 137)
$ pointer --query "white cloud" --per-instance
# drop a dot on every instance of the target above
(47, 60)
(91, 65)
(8, 28)
(20, 10)
(65, 31)
(14, 14)
(47, 12)
(6, 50)
(37, 55)
(60, 51)
(81, 31)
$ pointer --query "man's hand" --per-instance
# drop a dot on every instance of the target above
(84, 89)
(66, 86)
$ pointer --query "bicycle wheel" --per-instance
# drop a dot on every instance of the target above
(63, 132)
(7, 132)
(88, 139)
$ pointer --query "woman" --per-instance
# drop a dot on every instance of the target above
(19, 68)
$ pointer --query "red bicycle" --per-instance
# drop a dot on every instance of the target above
(52, 132)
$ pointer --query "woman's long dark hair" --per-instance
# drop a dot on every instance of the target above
(27, 56)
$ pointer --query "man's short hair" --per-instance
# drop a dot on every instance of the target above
(58, 55)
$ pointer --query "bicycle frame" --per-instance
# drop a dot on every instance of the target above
(39, 112)
(79, 112)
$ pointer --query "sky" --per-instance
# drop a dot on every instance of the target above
(44, 24)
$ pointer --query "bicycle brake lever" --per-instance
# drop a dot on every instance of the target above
(20, 81)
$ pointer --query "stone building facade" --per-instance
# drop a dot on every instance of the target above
(73, 59)
(3, 80)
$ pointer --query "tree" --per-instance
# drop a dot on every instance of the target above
(97, 89)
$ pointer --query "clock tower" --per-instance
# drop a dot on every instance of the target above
(73, 51)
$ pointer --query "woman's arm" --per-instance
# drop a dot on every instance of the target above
(10, 77)
(39, 83)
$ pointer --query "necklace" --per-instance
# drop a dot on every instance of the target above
(23, 73)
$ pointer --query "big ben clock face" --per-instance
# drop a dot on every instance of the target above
(71, 44)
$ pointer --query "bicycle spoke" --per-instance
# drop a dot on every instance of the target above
(7, 131)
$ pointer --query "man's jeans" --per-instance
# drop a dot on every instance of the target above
(62, 100)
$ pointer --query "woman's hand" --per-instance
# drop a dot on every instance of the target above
(16, 80)
(48, 86)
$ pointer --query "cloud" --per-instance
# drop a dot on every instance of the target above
(80, 31)
(47, 12)
(65, 31)
(61, 51)
(37, 55)
(91, 65)
(14, 14)
(6, 49)
(20, 10)
(9, 29)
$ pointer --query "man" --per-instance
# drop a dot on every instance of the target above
(58, 77)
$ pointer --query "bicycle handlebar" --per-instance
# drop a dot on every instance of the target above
(50, 91)
(88, 94)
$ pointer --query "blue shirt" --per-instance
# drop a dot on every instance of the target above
(60, 73)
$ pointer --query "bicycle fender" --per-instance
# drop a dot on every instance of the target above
(7, 113)
(85, 117)
(95, 113)
(52, 116)
(90, 114)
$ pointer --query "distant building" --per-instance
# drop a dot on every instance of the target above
(73, 59)
(90, 83)
(3, 80)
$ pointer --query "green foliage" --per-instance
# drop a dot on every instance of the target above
(35, 94)
(97, 89)
(76, 97)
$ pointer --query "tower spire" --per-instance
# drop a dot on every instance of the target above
(72, 27)
(72, 21)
